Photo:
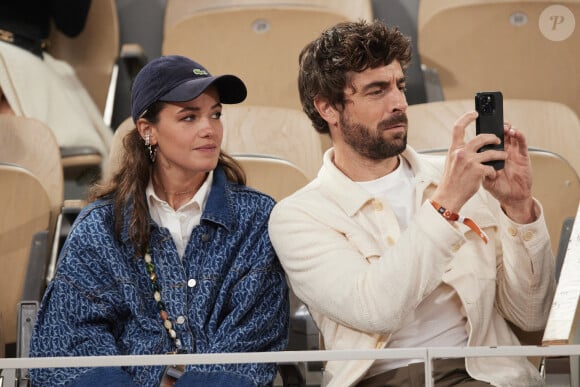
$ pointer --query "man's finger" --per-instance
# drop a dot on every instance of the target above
(462, 122)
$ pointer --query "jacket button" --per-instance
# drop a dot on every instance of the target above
(180, 320)
(528, 235)
(205, 237)
(191, 283)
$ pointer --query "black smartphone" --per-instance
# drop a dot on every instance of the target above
(489, 106)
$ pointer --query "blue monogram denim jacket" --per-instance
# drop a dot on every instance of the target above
(229, 293)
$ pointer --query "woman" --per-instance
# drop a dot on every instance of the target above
(173, 254)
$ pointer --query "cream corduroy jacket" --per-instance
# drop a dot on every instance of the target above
(346, 258)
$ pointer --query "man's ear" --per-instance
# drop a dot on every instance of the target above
(326, 111)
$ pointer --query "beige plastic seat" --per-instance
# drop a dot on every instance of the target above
(26, 209)
(274, 176)
(506, 45)
(94, 52)
(117, 150)
(257, 40)
(272, 131)
(31, 144)
(547, 125)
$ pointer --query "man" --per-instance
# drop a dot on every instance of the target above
(389, 248)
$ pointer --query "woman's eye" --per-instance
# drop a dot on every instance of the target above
(217, 115)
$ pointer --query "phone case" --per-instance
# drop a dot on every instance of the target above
(489, 105)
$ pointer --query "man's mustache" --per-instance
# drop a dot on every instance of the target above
(399, 118)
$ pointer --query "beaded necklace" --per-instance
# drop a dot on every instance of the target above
(160, 305)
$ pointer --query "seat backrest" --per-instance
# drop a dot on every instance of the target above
(24, 211)
(274, 176)
(261, 43)
(94, 52)
(117, 150)
(547, 125)
(31, 144)
(178, 10)
(557, 187)
(555, 184)
(272, 131)
(507, 45)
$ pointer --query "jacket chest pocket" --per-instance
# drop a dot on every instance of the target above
(369, 247)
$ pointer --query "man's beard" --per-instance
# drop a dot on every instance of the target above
(371, 144)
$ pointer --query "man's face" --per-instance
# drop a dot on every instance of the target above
(374, 122)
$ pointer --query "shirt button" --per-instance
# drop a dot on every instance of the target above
(513, 232)
(390, 241)
(528, 235)
(191, 283)
(378, 206)
(180, 320)
(455, 247)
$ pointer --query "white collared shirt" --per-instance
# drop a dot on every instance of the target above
(180, 222)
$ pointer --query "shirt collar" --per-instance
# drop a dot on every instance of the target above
(200, 196)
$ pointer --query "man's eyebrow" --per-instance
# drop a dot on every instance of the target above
(383, 84)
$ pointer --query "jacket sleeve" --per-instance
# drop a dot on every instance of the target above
(525, 278)
(72, 322)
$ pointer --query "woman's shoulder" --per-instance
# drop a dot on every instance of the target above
(250, 196)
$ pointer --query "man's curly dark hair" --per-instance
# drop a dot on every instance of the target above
(345, 47)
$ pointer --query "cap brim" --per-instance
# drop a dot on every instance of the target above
(230, 88)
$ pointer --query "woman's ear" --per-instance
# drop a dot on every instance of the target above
(326, 111)
(146, 131)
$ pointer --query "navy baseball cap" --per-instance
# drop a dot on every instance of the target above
(175, 78)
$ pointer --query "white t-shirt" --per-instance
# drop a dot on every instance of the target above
(437, 321)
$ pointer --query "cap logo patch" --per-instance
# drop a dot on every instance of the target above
(199, 72)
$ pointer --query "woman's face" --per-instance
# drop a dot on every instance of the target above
(189, 134)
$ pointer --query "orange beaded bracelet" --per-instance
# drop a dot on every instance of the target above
(452, 216)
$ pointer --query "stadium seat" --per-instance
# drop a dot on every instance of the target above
(262, 40)
(272, 131)
(26, 211)
(94, 52)
(507, 45)
(547, 125)
(100, 64)
(274, 176)
(31, 144)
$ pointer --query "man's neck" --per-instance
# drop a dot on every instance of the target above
(359, 168)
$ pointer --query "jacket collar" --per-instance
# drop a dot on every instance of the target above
(351, 197)
(218, 208)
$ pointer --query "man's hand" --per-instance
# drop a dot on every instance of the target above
(464, 168)
(512, 186)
